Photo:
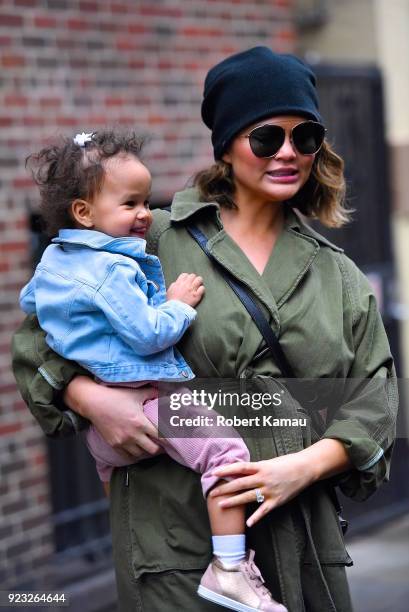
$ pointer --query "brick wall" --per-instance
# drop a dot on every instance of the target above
(78, 65)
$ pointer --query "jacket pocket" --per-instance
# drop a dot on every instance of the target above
(167, 518)
(326, 534)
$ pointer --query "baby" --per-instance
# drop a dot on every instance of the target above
(102, 301)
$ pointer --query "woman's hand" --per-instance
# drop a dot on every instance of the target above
(282, 478)
(278, 479)
(117, 413)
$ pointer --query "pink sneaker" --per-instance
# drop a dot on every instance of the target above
(238, 588)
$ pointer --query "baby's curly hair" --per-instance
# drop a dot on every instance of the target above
(66, 171)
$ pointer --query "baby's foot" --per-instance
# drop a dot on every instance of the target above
(240, 587)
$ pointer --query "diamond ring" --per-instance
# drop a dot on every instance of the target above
(259, 496)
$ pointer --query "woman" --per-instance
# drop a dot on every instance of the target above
(269, 159)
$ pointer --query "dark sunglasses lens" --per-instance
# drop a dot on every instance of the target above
(266, 140)
(308, 137)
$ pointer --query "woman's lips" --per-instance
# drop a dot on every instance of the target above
(283, 175)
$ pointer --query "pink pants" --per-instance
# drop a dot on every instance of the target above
(202, 454)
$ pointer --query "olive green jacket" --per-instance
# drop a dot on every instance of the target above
(324, 312)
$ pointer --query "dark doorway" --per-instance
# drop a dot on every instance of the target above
(352, 108)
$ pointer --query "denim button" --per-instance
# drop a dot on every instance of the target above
(185, 373)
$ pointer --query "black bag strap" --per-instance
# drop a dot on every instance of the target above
(250, 305)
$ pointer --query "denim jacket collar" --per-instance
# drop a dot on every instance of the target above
(133, 247)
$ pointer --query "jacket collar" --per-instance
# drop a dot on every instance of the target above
(297, 246)
(134, 247)
(186, 205)
(295, 222)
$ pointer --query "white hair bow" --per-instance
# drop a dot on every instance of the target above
(81, 139)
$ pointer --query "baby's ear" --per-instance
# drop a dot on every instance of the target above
(81, 211)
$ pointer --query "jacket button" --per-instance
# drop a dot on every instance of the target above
(185, 373)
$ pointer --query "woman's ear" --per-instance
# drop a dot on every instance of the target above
(81, 211)
(227, 158)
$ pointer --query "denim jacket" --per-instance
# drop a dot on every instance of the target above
(102, 302)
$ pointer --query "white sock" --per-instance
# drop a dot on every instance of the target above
(230, 549)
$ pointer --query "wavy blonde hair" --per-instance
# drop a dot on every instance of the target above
(322, 197)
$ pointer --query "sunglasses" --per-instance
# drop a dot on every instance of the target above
(266, 140)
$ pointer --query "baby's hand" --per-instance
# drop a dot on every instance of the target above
(187, 288)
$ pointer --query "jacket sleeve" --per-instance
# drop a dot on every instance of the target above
(365, 420)
(27, 298)
(41, 375)
(146, 329)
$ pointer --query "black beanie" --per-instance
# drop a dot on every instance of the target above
(254, 84)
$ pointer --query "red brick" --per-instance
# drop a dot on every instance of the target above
(32, 481)
(67, 121)
(50, 102)
(19, 406)
(96, 120)
(78, 63)
(14, 508)
(162, 11)
(13, 246)
(45, 22)
(119, 8)
(85, 83)
(33, 121)
(4, 388)
(229, 50)
(111, 26)
(78, 24)
(25, 3)
(9, 428)
(137, 28)
(21, 223)
(197, 31)
(89, 6)
(22, 183)
(126, 44)
(289, 35)
(194, 66)
(136, 64)
(129, 121)
(5, 41)
(156, 120)
(66, 43)
(6, 121)
(165, 64)
(39, 459)
(12, 61)
(16, 100)
(35, 521)
(111, 101)
(12, 21)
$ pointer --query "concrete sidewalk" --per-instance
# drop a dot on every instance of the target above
(379, 578)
